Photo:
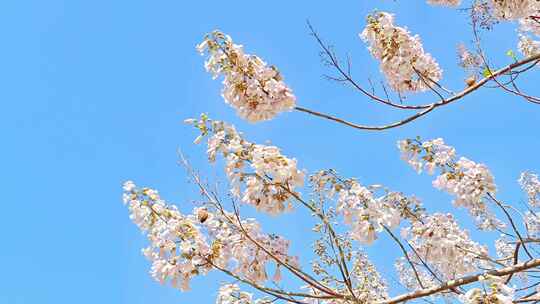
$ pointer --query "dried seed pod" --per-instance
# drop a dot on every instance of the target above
(470, 81)
(202, 215)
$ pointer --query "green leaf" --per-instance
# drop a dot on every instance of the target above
(511, 54)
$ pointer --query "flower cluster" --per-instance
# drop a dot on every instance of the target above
(367, 284)
(445, 2)
(532, 222)
(531, 185)
(505, 249)
(269, 179)
(514, 9)
(367, 214)
(177, 247)
(409, 278)
(243, 242)
(231, 294)
(482, 14)
(325, 183)
(467, 59)
(443, 245)
(268, 161)
(529, 25)
(494, 291)
(527, 46)
(253, 88)
(370, 287)
(468, 181)
(427, 155)
(183, 246)
(403, 61)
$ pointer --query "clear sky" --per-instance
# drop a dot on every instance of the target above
(95, 92)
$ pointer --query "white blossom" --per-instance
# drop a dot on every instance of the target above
(366, 214)
(514, 9)
(174, 259)
(505, 250)
(231, 294)
(407, 276)
(470, 183)
(437, 154)
(259, 174)
(532, 222)
(530, 24)
(531, 185)
(446, 247)
(529, 34)
(184, 246)
(403, 61)
(528, 46)
(434, 253)
(467, 59)
(253, 88)
(367, 283)
(494, 291)
(444, 2)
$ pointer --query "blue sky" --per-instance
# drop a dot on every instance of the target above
(95, 92)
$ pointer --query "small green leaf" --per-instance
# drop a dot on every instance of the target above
(511, 54)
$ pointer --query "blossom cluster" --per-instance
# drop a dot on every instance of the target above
(370, 287)
(367, 284)
(231, 294)
(515, 9)
(367, 214)
(494, 291)
(507, 248)
(367, 209)
(532, 222)
(527, 46)
(504, 249)
(404, 63)
(529, 26)
(467, 59)
(530, 183)
(253, 88)
(267, 177)
(445, 2)
(443, 245)
(436, 250)
(177, 247)
(428, 155)
(409, 277)
(468, 181)
(526, 12)
(183, 246)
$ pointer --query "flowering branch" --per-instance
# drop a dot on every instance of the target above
(463, 281)
(437, 258)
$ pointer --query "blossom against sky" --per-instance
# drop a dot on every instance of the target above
(95, 93)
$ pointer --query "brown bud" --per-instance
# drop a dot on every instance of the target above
(470, 81)
(202, 215)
